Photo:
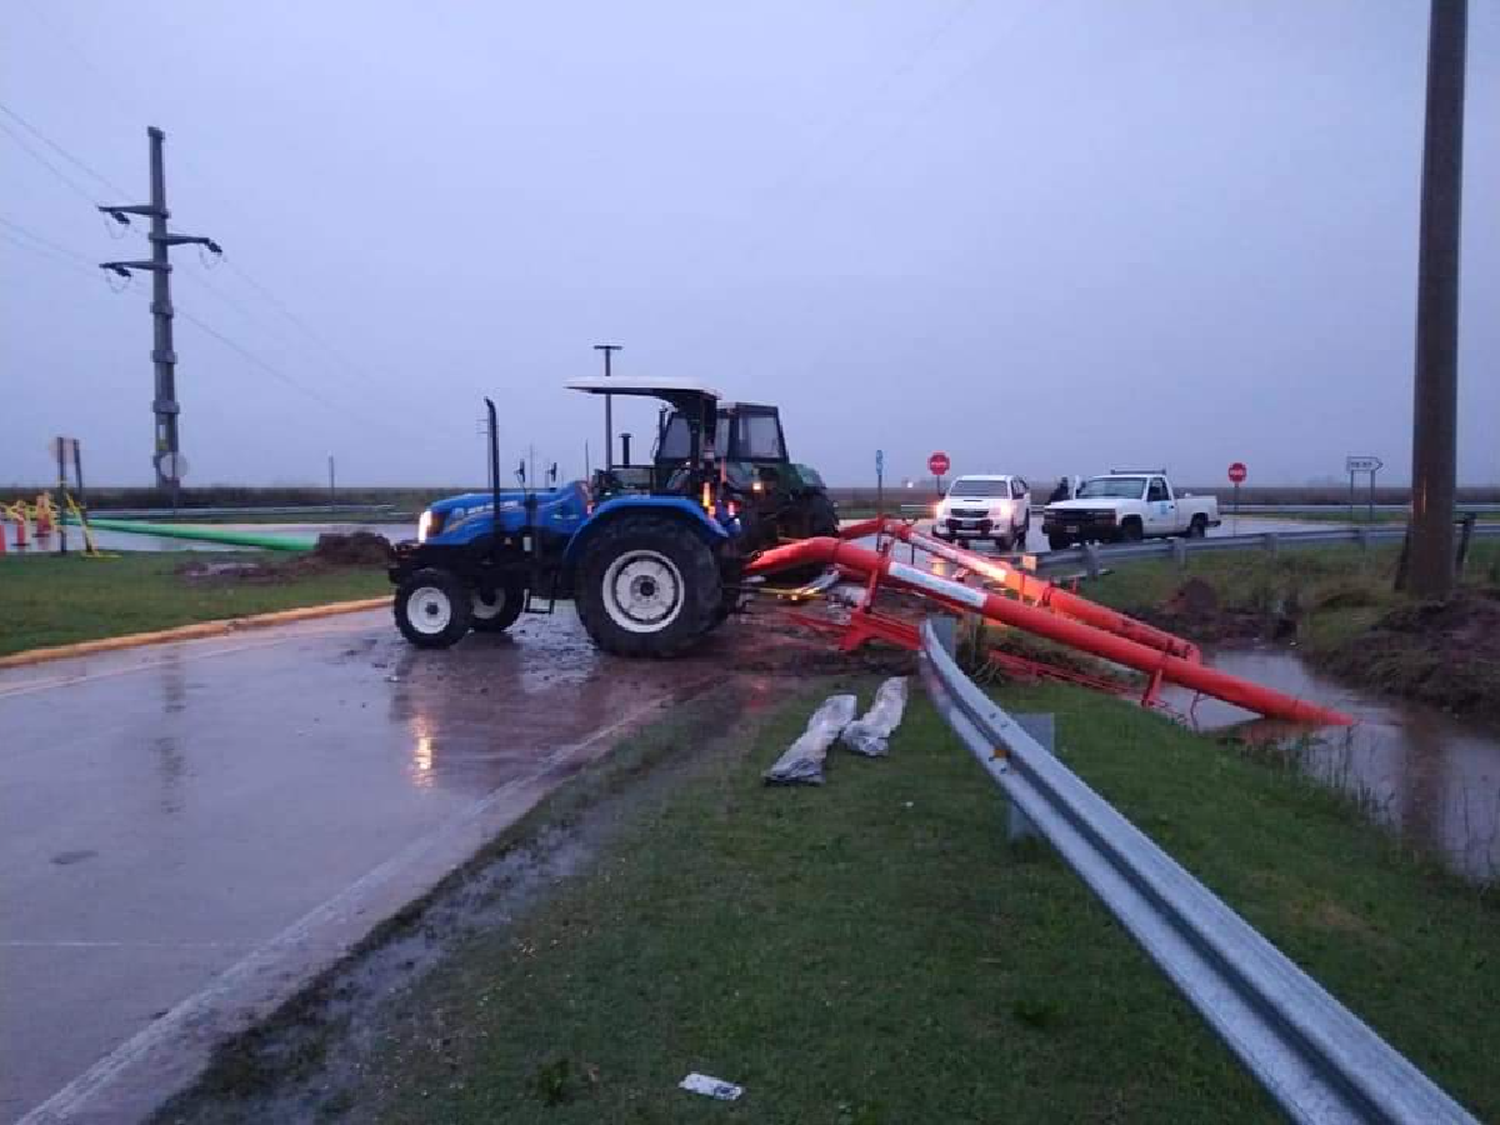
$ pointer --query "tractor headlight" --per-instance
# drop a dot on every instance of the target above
(424, 525)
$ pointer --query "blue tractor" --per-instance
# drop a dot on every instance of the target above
(650, 572)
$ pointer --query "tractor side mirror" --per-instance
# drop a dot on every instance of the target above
(552, 474)
(521, 471)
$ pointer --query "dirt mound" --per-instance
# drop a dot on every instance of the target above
(359, 548)
(1195, 611)
(1194, 599)
(1443, 653)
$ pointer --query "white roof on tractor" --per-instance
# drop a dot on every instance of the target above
(599, 385)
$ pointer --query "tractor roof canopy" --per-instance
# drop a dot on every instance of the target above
(685, 394)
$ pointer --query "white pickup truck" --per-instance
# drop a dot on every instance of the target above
(985, 506)
(1127, 506)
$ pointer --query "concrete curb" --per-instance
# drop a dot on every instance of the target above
(190, 632)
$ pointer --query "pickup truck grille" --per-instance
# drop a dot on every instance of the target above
(1091, 515)
(970, 513)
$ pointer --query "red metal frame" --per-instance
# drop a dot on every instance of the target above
(876, 567)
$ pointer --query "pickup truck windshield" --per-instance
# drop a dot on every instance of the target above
(1112, 488)
(980, 488)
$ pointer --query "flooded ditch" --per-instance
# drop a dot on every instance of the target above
(1433, 779)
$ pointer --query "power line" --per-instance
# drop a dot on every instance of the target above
(76, 161)
(51, 167)
(57, 247)
(49, 255)
(865, 104)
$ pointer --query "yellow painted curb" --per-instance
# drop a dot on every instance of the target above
(191, 632)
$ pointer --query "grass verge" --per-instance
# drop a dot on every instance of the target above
(46, 600)
(871, 951)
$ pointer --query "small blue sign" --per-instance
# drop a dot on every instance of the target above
(879, 460)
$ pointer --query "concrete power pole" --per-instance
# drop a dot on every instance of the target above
(609, 409)
(166, 453)
(1434, 453)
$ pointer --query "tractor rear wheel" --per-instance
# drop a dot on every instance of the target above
(500, 612)
(647, 586)
(432, 608)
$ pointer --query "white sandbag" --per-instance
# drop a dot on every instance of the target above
(870, 733)
(803, 761)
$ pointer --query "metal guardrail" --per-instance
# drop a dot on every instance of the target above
(1319, 1061)
(1093, 556)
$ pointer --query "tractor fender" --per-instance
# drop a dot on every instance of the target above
(675, 507)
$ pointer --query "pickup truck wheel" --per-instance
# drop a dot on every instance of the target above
(1019, 535)
(1131, 531)
(1198, 528)
(500, 612)
(1059, 542)
(432, 608)
(647, 586)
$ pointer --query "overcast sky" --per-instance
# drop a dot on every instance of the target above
(1045, 236)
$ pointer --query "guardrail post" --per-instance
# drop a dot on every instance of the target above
(1091, 559)
(1043, 728)
(1273, 544)
(1179, 553)
(1362, 537)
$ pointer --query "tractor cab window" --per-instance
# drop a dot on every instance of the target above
(676, 441)
(1158, 490)
(757, 437)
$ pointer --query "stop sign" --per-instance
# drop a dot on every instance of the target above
(939, 464)
(1237, 472)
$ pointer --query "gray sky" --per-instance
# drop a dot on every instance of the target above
(1045, 236)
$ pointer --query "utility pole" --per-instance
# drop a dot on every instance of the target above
(1434, 454)
(165, 455)
(609, 411)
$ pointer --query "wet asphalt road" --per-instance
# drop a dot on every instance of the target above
(167, 810)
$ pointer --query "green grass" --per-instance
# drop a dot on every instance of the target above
(871, 951)
(46, 600)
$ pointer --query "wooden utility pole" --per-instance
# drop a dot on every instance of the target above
(1434, 454)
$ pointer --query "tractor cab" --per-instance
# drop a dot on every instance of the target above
(739, 447)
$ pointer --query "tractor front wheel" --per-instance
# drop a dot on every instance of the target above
(647, 587)
(432, 608)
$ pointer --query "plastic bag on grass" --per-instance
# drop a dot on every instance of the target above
(870, 733)
(802, 764)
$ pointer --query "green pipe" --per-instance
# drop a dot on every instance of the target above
(210, 534)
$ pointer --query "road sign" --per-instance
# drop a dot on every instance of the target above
(1363, 464)
(1238, 472)
(174, 466)
(939, 464)
(61, 447)
(879, 462)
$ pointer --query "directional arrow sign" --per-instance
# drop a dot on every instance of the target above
(1363, 464)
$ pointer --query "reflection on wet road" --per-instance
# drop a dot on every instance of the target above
(164, 810)
(1423, 772)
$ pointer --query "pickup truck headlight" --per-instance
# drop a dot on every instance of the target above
(1001, 509)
